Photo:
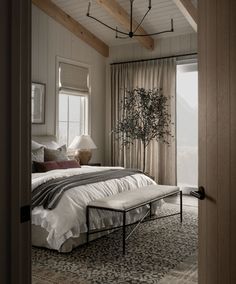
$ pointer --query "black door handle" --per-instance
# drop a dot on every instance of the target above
(200, 194)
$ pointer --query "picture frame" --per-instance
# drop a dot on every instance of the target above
(38, 93)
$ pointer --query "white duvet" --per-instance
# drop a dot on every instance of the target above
(68, 219)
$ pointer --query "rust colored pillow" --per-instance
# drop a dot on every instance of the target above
(53, 165)
(41, 167)
(68, 164)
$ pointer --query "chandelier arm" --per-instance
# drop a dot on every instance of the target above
(115, 30)
(142, 20)
(153, 34)
(158, 33)
(131, 16)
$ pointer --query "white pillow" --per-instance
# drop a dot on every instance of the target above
(47, 144)
(50, 145)
(35, 145)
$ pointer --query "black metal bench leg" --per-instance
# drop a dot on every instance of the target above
(88, 225)
(181, 206)
(124, 231)
(150, 213)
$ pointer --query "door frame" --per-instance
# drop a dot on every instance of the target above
(217, 26)
(15, 129)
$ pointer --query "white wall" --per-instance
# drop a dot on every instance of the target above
(50, 39)
(163, 47)
(166, 46)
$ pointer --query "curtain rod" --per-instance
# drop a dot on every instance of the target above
(165, 57)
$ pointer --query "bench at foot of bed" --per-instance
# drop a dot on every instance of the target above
(129, 200)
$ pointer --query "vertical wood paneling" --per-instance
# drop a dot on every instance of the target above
(15, 171)
(202, 228)
(232, 59)
(67, 44)
(223, 141)
(42, 47)
(51, 80)
(174, 45)
(73, 49)
(35, 44)
(212, 143)
(193, 43)
(163, 47)
(185, 44)
(217, 144)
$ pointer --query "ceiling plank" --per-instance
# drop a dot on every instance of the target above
(72, 25)
(114, 9)
(189, 11)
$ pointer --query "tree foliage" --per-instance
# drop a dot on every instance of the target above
(145, 117)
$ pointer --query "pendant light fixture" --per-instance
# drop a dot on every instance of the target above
(133, 30)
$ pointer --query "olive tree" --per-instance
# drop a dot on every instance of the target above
(145, 117)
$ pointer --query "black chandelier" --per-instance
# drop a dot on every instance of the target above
(132, 32)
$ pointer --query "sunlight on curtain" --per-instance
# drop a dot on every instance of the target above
(187, 125)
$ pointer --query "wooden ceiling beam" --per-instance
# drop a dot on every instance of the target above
(189, 11)
(121, 16)
(72, 25)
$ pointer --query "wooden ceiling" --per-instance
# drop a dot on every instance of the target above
(116, 13)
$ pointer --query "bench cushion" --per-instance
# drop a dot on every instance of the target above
(129, 199)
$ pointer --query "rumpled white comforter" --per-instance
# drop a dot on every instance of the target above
(68, 219)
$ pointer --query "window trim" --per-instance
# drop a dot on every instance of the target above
(69, 61)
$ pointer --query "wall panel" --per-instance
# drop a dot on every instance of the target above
(49, 40)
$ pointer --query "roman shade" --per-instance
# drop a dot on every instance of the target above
(73, 78)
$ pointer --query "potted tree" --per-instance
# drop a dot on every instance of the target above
(145, 117)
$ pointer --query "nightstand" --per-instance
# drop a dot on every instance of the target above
(95, 164)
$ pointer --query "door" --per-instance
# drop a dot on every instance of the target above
(15, 166)
(217, 141)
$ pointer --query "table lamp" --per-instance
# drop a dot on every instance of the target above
(82, 145)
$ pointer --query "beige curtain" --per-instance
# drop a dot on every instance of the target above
(160, 158)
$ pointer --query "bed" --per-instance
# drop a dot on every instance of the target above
(64, 227)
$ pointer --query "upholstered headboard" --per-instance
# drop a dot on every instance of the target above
(44, 138)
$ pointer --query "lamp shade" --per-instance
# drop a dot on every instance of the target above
(82, 142)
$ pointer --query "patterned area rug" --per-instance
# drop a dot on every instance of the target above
(184, 273)
(155, 249)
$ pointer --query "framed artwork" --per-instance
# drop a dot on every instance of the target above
(38, 92)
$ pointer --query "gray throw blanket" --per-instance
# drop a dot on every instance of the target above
(49, 193)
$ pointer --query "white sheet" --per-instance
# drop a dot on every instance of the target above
(68, 219)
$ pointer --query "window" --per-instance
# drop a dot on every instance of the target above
(72, 102)
(187, 125)
(72, 116)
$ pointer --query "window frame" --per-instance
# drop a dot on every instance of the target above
(80, 64)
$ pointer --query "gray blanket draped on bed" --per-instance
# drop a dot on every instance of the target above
(49, 193)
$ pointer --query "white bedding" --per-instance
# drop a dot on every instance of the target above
(68, 219)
